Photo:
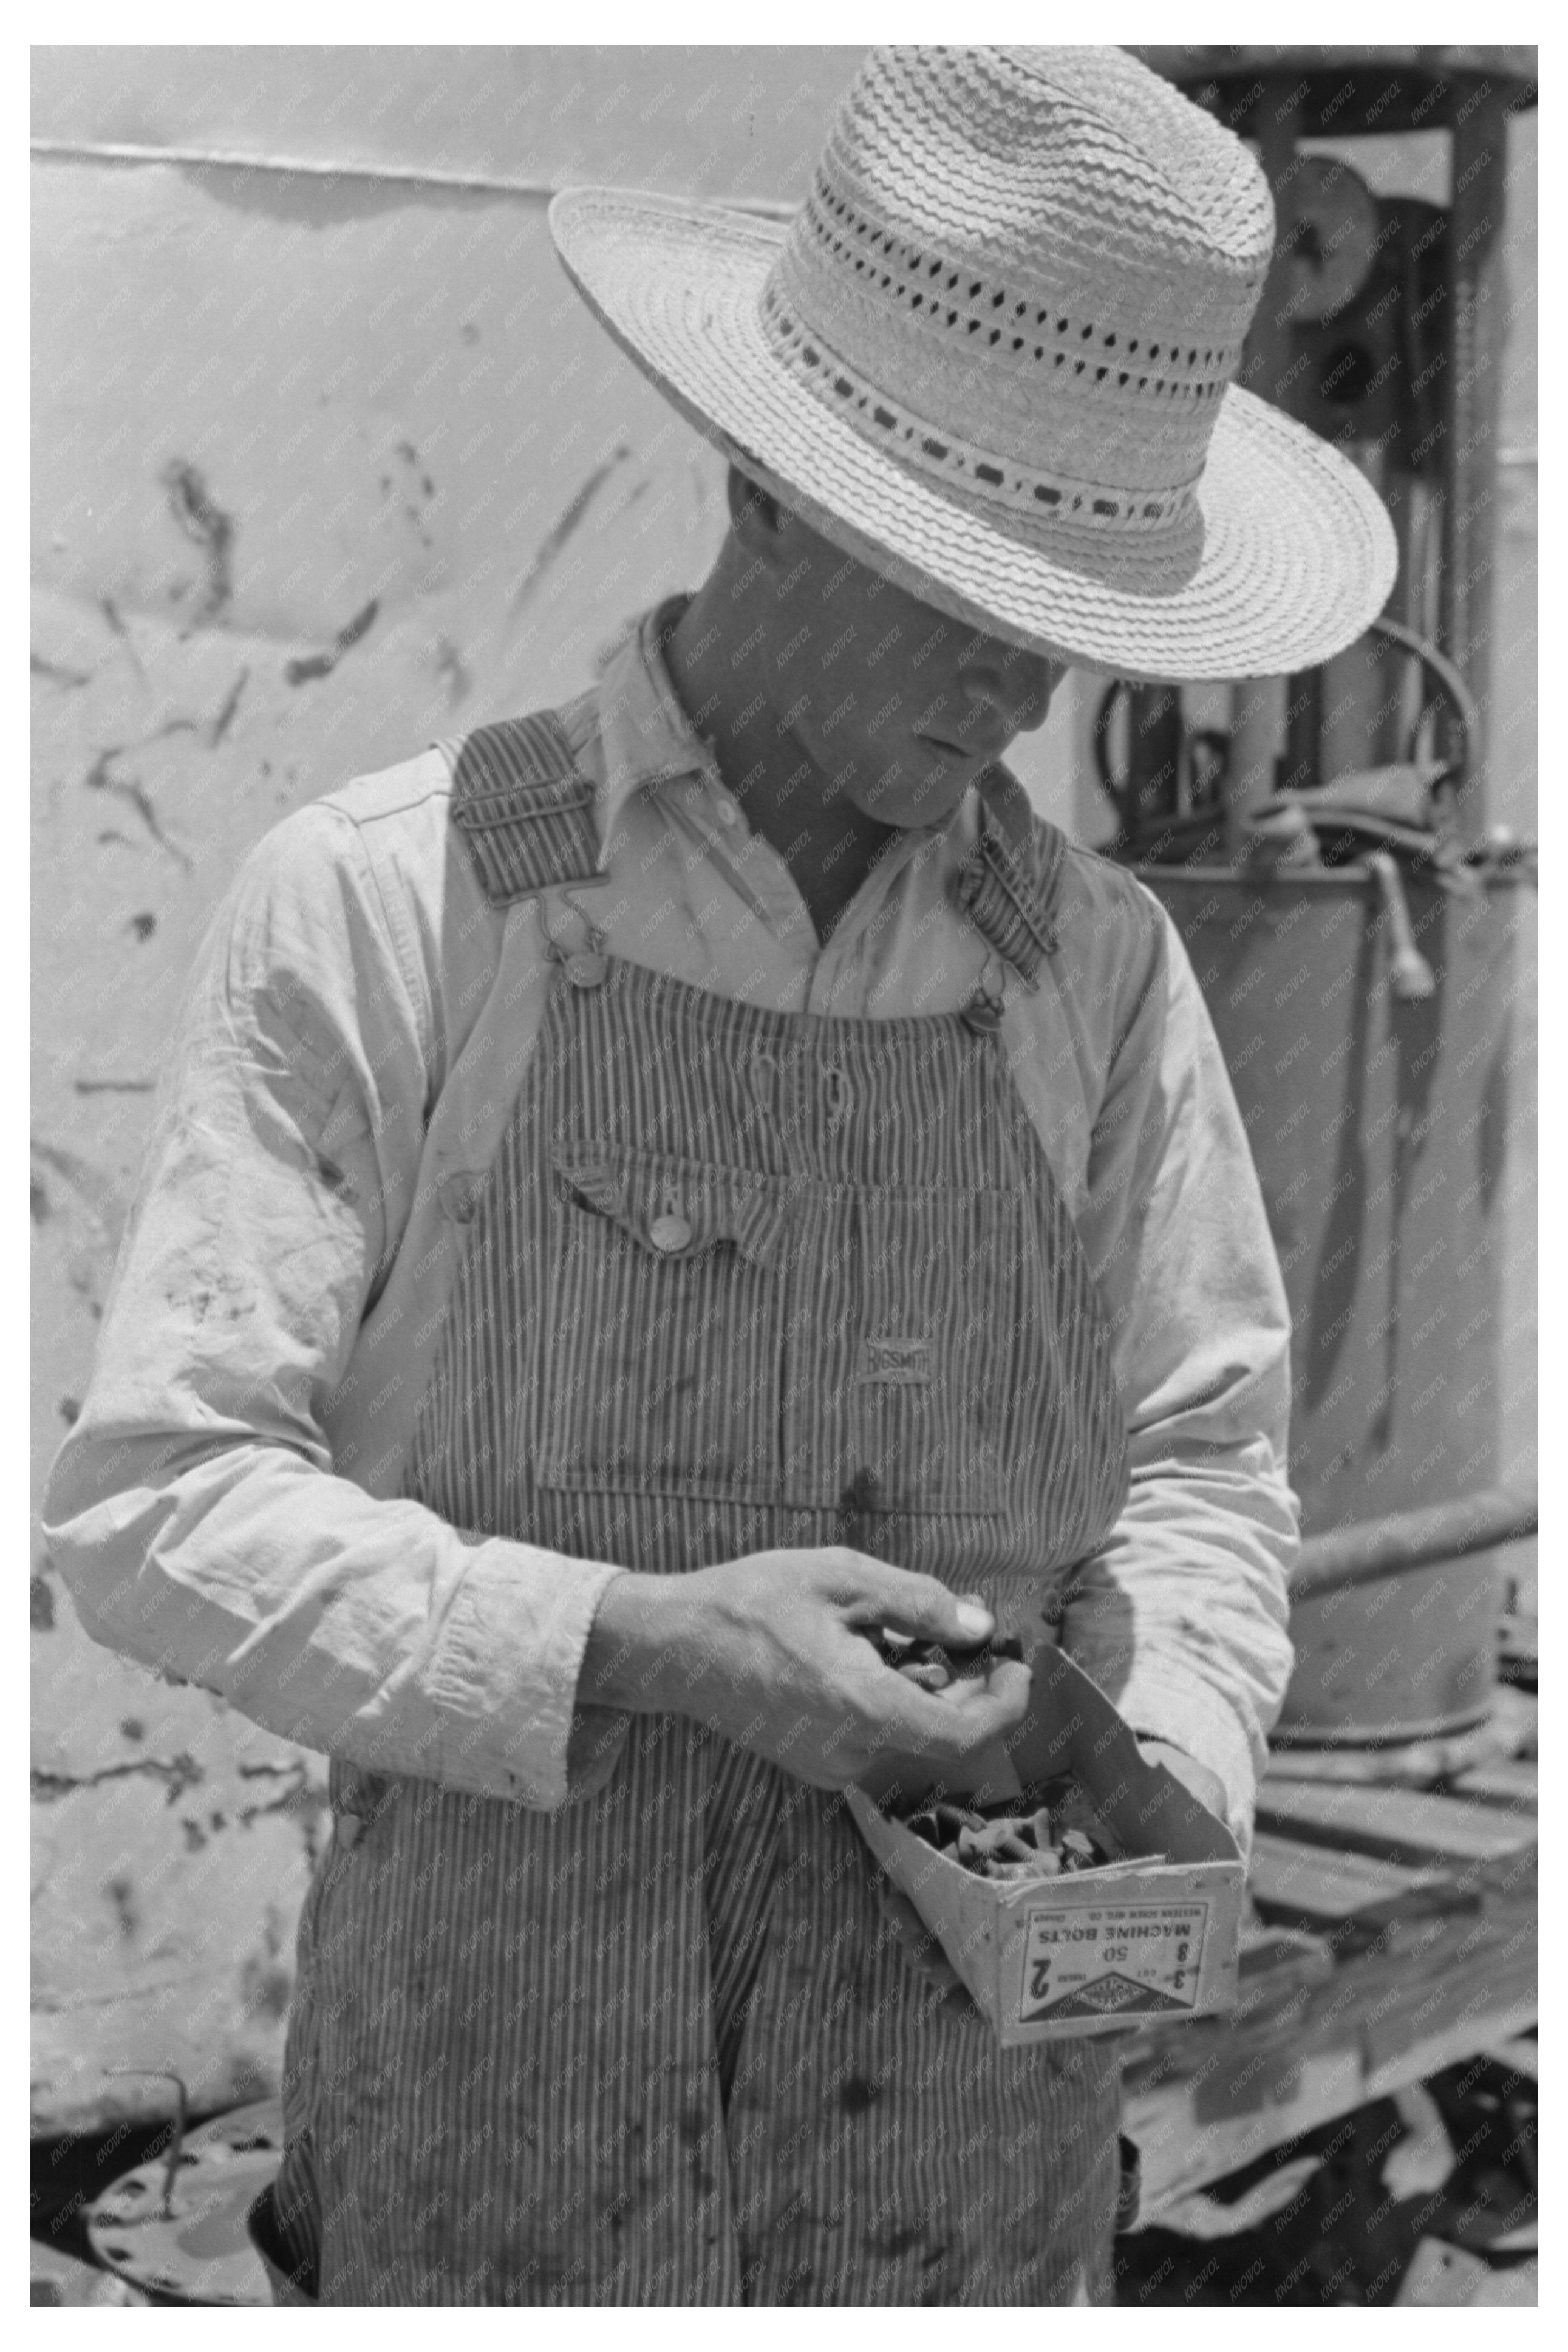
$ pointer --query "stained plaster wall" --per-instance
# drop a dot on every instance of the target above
(327, 462)
(325, 467)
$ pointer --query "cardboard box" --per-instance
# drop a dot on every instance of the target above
(1094, 1951)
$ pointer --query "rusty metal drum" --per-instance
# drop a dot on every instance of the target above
(1380, 1127)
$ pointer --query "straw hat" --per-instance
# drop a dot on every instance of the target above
(992, 355)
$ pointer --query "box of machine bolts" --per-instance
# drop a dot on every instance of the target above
(1075, 1888)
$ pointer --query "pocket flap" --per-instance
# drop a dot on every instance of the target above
(678, 1208)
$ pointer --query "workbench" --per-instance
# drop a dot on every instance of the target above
(1392, 1934)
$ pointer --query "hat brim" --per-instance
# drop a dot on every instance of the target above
(1298, 554)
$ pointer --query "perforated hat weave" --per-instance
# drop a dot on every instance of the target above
(993, 355)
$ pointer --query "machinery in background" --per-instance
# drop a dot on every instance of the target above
(1353, 920)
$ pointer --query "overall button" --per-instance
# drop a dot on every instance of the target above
(983, 1014)
(584, 969)
(669, 1231)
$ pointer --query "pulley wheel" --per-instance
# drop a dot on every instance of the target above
(1328, 237)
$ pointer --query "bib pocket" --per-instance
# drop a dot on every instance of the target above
(921, 1388)
(666, 1328)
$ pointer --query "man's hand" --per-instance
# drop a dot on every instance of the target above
(771, 1650)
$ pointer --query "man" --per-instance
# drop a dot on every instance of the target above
(656, 1192)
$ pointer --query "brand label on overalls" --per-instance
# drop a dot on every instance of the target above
(1101, 1958)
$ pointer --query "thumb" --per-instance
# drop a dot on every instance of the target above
(918, 1605)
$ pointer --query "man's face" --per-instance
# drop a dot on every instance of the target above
(899, 706)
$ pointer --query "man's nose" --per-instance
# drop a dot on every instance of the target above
(1018, 686)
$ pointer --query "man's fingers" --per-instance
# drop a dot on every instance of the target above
(916, 1605)
(969, 1715)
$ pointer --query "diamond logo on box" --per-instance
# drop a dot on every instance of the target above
(1103, 1959)
(1108, 1997)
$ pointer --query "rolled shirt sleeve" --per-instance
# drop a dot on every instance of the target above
(1181, 1618)
(193, 1512)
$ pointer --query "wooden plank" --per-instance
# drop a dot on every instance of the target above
(1315, 1885)
(1277, 1954)
(1488, 1946)
(1400, 1825)
(1423, 1993)
(1377, 2003)
(1426, 1903)
(1182, 2152)
(1520, 2057)
(1508, 1782)
(1448, 1996)
(1431, 2052)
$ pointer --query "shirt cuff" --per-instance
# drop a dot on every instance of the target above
(1197, 1721)
(503, 1677)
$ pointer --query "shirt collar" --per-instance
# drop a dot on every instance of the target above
(644, 736)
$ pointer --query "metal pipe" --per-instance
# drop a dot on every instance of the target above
(311, 167)
(1411, 977)
(1257, 725)
(1474, 265)
(1371, 1549)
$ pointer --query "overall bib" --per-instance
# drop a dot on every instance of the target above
(738, 1280)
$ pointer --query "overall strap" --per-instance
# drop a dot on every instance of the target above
(526, 814)
(1008, 884)
(523, 808)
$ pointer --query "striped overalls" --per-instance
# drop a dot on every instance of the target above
(738, 1280)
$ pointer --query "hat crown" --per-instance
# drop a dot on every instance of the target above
(1029, 271)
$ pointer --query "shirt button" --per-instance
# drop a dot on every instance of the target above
(585, 971)
(727, 812)
(669, 1231)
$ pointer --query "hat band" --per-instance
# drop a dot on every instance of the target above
(946, 457)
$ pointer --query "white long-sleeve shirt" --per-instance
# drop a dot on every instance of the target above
(227, 1508)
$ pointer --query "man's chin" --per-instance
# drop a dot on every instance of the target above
(929, 795)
